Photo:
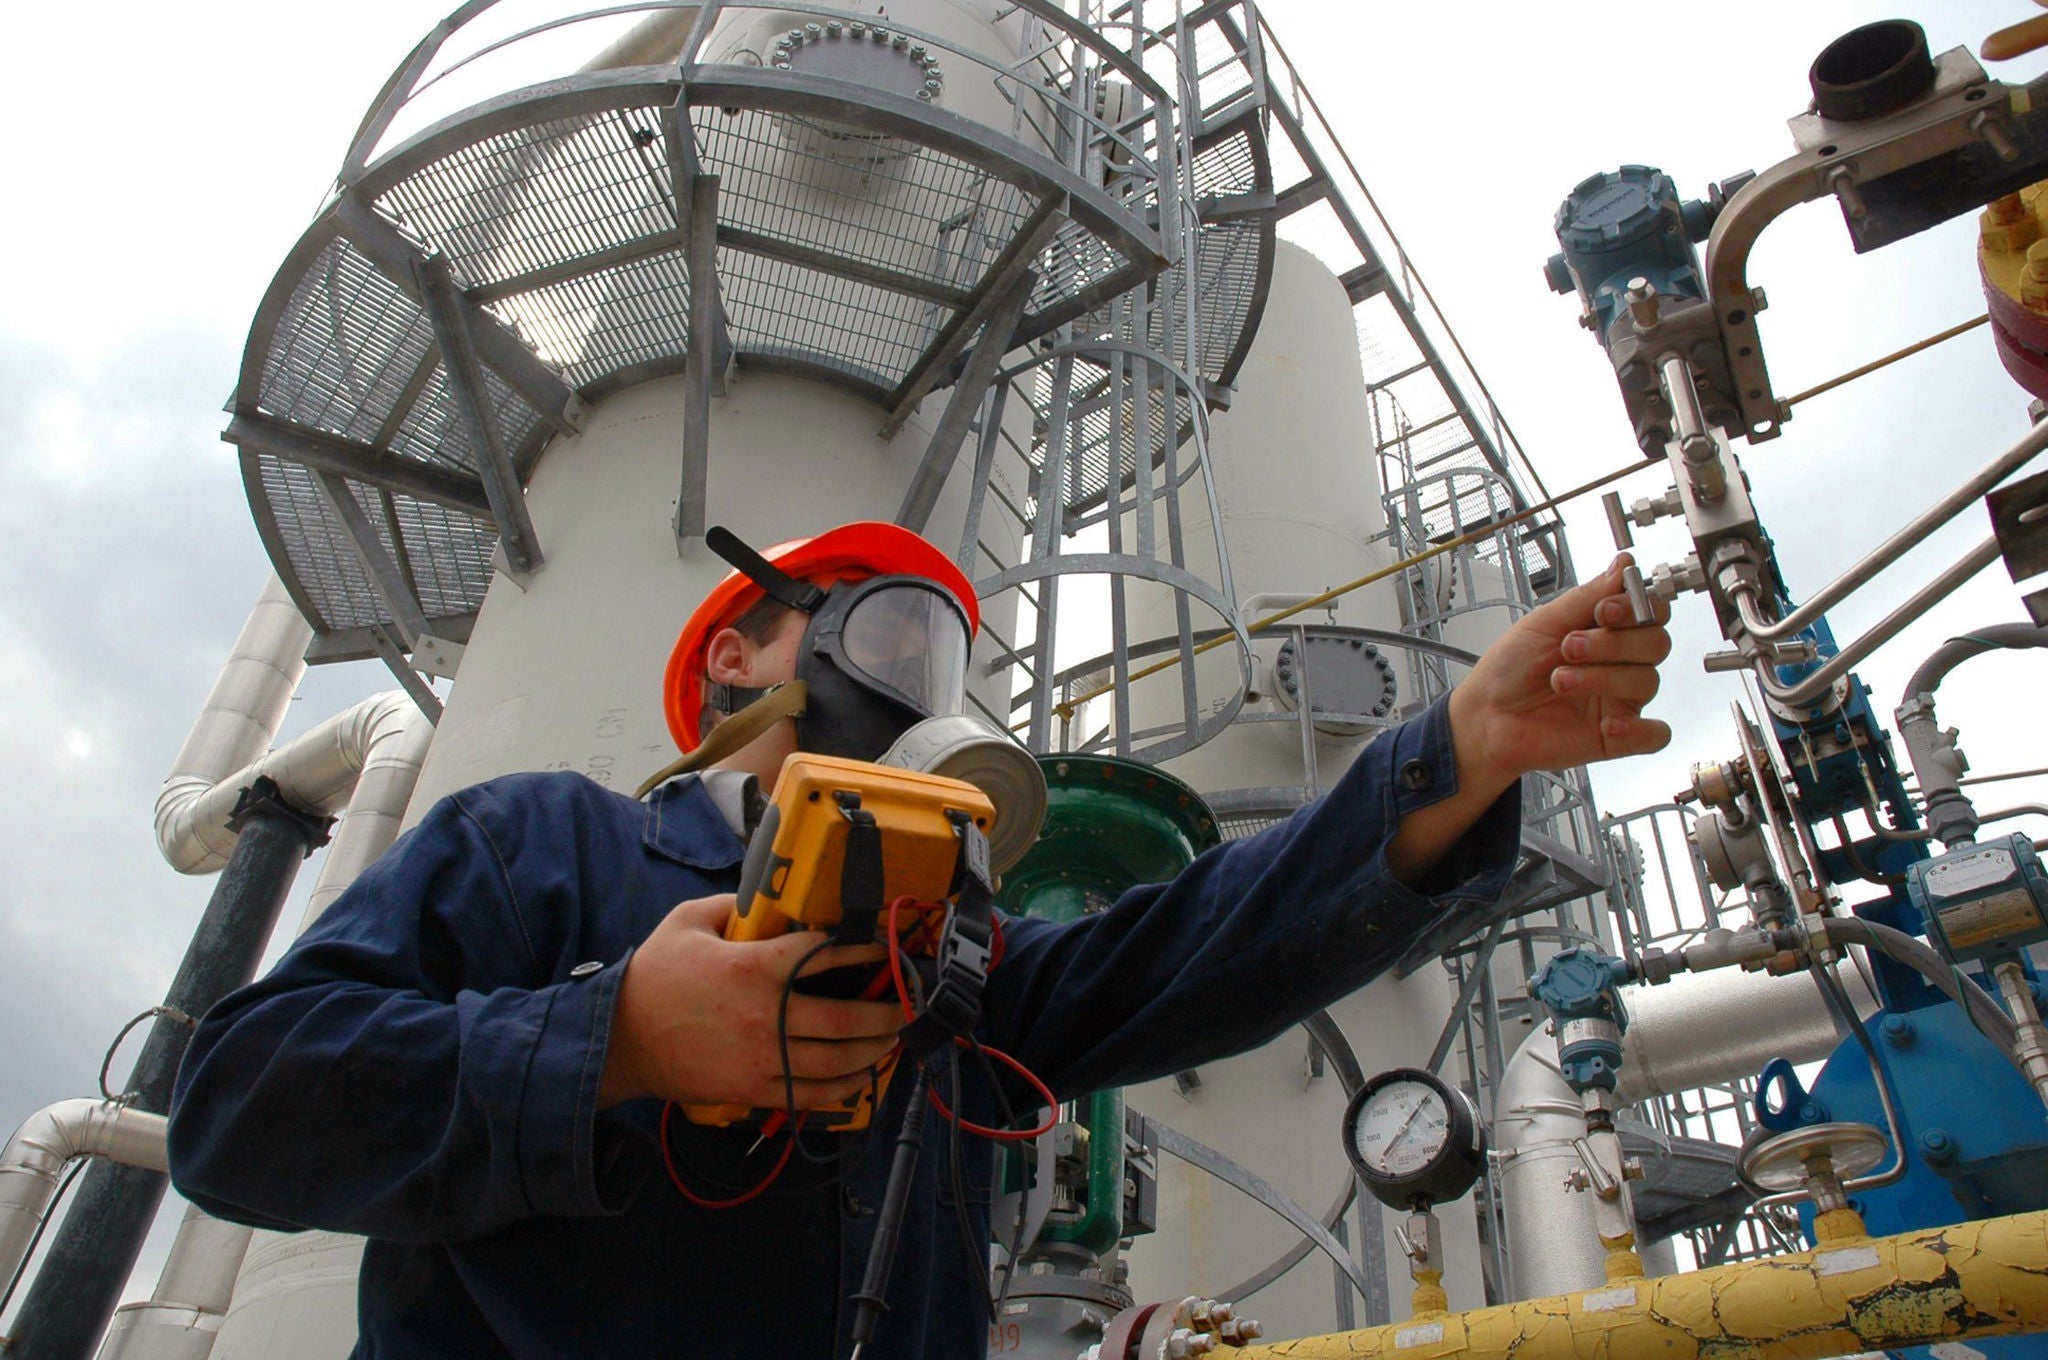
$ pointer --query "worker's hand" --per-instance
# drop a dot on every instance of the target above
(1565, 686)
(696, 1019)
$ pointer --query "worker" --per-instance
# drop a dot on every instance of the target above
(468, 1057)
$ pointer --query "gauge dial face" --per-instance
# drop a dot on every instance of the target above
(1414, 1139)
(1402, 1128)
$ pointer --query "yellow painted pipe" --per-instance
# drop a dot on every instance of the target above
(1855, 1293)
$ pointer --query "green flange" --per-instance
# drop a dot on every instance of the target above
(1110, 825)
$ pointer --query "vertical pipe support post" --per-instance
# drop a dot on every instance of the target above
(75, 1291)
(704, 360)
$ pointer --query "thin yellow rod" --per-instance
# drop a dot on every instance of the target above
(1908, 352)
(1066, 709)
(1988, 1278)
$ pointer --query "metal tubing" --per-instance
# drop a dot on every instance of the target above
(198, 1279)
(1987, 1278)
(1922, 600)
(1696, 447)
(1702, 1028)
(2031, 1050)
(79, 1283)
(317, 771)
(181, 1320)
(1957, 650)
(1918, 955)
(1692, 1031)
(1895, 547)
(47, 1142)
(247, 703)
(392, 757)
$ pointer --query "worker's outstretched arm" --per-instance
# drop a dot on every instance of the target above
(1261, 932)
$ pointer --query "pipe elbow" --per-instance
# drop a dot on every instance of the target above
(174, 832)
(56, 1135)
(318, 771)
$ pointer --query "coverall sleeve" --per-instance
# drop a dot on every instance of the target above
(1255, 936)
(409, 1070)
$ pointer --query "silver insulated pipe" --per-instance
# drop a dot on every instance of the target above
(236, 726)
(1696, 1030)
(384, 741)
(35, 1158)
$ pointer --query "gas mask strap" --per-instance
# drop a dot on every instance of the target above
(801, 596)
(783, 701)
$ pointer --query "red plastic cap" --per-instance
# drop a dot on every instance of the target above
(851, 552)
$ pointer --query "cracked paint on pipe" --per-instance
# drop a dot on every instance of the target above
(1988, 1278)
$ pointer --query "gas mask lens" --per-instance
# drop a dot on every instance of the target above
(909, 639)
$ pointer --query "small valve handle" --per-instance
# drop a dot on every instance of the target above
(1638, 594)
(1617, 520)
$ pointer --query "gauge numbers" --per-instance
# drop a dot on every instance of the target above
(1403, 1130)
(1413, 1138)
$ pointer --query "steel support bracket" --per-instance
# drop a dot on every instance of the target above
(2019, 517)
(998, 334)
(1834, 158)
(411, 681)
(265, 797)
(398, 258)
(324, 452)
(448, 311)
(1016, 260)
(408, 620)
(708, 355)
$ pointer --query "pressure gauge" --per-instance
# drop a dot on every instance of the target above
(1415, 1140)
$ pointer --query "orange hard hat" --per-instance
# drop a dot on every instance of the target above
(851, 552)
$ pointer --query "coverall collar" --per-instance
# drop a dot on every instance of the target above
(684, 824)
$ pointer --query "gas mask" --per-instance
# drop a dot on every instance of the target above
(878, 656)
(880, 676)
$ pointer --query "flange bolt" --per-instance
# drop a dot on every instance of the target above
(1938, 1148)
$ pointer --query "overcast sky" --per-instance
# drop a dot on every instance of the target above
(161, 159)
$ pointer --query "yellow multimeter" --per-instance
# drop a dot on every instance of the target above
(822, 823)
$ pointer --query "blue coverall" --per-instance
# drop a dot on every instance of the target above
(422, 1067)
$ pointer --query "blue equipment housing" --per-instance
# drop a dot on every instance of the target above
(1627, 224)
(1577, 986)
(1983, 900)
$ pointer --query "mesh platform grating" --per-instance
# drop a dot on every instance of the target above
(540, 197)
(610, 319)
(789, 311)
(841, 253)
(347, 349)
(449, 553)
(877, 201)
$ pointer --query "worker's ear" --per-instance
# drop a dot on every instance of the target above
(728, 658)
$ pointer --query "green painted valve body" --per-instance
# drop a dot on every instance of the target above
(1110, 825)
